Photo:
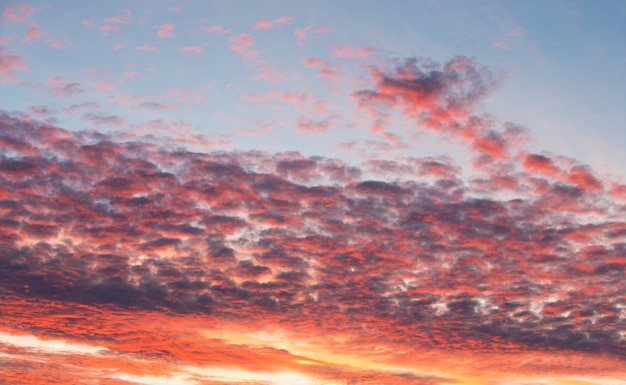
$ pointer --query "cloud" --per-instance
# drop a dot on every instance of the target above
(9, 64)
(215, 29)
(350, 51)
(197, 49)
(147, 47)
(264, 24)
(18, 13)
(34, 33)
(62, 87)
(285, 237)
(156, 106)
(166, 30)
(301, 33)
(284, 267)
(518, 31)
(241, 44)
(326, 70)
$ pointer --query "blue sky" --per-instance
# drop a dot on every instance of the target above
(561, 62)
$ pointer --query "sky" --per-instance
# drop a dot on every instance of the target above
(312, 193)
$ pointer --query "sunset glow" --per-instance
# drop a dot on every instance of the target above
(312, 193)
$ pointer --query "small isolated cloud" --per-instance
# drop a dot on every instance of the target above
(350, 51)
(59, 43)
(174, 9)
(192, 49)
(116, 20)
(104, 120)
(264, 24)
(104, 86)
(313, 127)
(183, 95)
(518, 31)
(34, 33)
(215, 29)
(117, 46)
(63, 88)
(156, 106)
(166, 30)
(9, 64)
(130, 74)
(504, 44)
(147, 47)
(74, 108)
(326, 70)
(301, 33)
(88, 22)
(241, 44)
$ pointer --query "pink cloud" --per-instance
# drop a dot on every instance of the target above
(518, 31)
(34, 33)
(108, 27)
(104, 120)
(350, 51)
(74, 108)
(241, 44)
(104, 86)
(326, 70)
(129, 100)
(215, 29)
(192, 49)
(313, 127)
(301, 33)
(270, 74)
(62, 87)
(166, 30)
(130, 74)
(116, 20)
(263, 24)
(174, 9)
(264, 128)
(183, 95)
(59, 43)
(504, 44)
(9, 63)
(117, 46)
(88, 22)
(156, 106)
(147, 47)
(18, 13)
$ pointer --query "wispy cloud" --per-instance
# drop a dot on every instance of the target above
(264, 24)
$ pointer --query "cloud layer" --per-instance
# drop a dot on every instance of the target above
(425, 263)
